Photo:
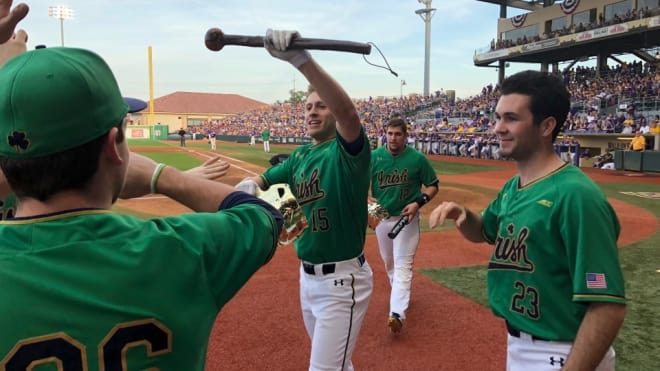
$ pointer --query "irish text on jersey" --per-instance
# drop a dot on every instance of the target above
(393, 179)
(511, 251)
(309, 190)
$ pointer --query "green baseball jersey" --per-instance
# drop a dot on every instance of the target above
(265, 135)
(8, 207)
(90, 289)
(331, 185)
(555, 251)
(396, 181)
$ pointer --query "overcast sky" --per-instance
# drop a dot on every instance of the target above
(122, 30)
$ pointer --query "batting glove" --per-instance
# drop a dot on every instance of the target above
(247, 185)
(277, 43)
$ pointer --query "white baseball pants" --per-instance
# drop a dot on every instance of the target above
(398, 255)
(333, 307)
(524, 354)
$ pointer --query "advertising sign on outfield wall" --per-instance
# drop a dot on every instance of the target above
(138, 132)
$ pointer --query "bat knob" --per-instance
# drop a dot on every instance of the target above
(214, 39)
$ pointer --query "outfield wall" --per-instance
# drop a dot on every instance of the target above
(139, 132)
(648, 161)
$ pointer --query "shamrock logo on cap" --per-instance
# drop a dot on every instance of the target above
(19, 140)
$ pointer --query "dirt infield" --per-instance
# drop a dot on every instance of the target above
(262, 329)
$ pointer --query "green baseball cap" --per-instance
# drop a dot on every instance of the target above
(55, 99)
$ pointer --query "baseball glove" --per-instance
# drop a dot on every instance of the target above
(295, 222)
(376, 213)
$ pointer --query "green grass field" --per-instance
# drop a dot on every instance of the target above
(146, 143)
(638, 345)
(454, 168)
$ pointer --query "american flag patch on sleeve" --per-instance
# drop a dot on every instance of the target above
(596, 281)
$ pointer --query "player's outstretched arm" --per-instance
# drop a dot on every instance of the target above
(597, 331)
(337, 100)
(211, 169)
(468, 222)
(201, 195)
(331, 93)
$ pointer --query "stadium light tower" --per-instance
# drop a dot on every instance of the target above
(426, 14)
(61, 12)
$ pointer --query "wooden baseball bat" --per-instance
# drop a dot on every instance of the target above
(215, 40)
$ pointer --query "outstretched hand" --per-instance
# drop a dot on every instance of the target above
(277, 43)
(9, 18)
(447, 210)
(211, 169)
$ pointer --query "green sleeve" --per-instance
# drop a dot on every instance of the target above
(232, 245)
(279, 173)
(490, 221)
(360, 163)
(589, 229)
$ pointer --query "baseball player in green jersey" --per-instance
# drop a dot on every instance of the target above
(330, 179)
(265, 137)
(398, 173)
(554, 275)
(95, 290)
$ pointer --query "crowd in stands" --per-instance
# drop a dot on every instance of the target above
(610, 101)
(286, 119)
(630, 15)
(441, 126)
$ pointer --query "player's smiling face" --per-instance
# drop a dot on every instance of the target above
(318, 118)
(396, 139)
(514, 126)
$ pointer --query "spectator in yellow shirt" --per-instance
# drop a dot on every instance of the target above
(638, 142)
(654, 128)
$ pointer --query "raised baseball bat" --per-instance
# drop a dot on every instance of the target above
(215, 40)
(398, 227)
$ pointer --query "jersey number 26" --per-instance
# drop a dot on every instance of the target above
(69, 354)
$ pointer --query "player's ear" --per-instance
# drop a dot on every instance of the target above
(548, 126)
(111, 147)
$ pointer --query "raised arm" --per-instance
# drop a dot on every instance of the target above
(332, 94)
(337, 100)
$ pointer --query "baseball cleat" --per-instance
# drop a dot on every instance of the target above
(395, 323)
